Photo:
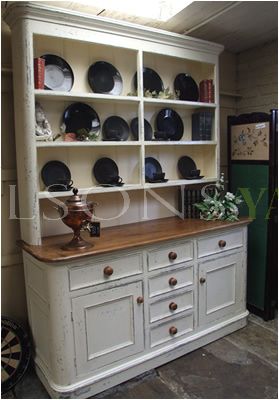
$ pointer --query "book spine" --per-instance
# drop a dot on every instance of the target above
(39, 73)
(196, 126)
(201, 88)
(210, 87)
(208, 125)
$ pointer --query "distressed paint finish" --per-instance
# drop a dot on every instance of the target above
(69, 295)
(76, 308)
(24, 103)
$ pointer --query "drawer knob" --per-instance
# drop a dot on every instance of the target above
(173, 330)
(172, 281)
(140, 300)
(108, 271)
(172, 306)
(202, 280)
(172, 255)
(222, 243)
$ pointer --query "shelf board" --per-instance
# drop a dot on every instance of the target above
(127, 187)
(180, 142)
(178, 103)
(76, 96)
(99, 143)
(230, 94)
(178, 182)
(91, 190)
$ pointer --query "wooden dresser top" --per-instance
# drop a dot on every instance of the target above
(126, 237)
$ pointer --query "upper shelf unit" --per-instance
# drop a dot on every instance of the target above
(83, 40)
(131, 101)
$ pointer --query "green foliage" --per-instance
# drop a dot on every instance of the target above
(219, 206)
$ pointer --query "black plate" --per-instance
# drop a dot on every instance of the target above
(103, 77)
(105, 170)
(187, 87)
(56, 172)
(151, 81)
(185, 166)
(115, 128)
(169, 121)
(80, 116)
(135, 129)
(58, 73)
(152, 166)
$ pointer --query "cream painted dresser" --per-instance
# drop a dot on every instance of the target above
(145, 294)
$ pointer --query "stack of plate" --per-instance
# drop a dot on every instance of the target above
(188, 169)
(153, 171)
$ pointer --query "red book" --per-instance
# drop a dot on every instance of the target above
(39, 73)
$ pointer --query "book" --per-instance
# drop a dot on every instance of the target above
(39, 73)
(202, 125)
(210, 90)
(206, 88)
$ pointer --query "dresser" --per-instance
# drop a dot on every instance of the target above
(145, 294)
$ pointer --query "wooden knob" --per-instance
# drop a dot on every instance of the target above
(172, 255)
(173, 330)
(202, 280)
(222, 243)
(172, 281)
(172, 306)
(108, 271)
(140, 300)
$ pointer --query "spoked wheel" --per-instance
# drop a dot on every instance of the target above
(15, 353)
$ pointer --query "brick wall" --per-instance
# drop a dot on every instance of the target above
(257, 79)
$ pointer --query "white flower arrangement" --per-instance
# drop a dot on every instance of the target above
(220, 206)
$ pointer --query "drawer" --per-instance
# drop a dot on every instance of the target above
(171, 330)
(168, 254)
(105, 270)
(170, 281)
(219, 243)
(173, 305)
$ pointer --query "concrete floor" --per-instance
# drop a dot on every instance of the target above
(241, 365)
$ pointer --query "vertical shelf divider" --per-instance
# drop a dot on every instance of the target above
(141, 114)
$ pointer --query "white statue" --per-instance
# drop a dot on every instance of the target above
(42, 128)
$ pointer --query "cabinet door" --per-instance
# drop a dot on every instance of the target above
(221, 288)
(108, 326)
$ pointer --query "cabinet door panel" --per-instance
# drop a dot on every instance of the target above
(221, 288)
(108, 326)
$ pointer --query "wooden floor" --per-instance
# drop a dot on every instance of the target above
(241, 365)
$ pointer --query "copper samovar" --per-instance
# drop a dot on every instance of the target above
(77, 214)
